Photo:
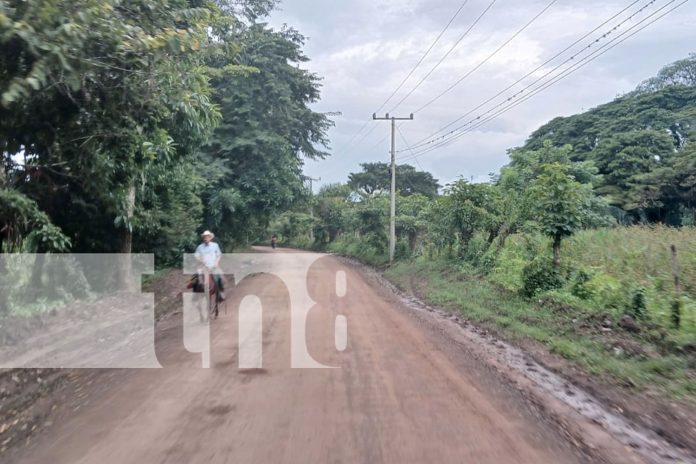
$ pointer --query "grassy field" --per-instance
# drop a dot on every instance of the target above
(650, 354)
(630, 360)
(616, 265)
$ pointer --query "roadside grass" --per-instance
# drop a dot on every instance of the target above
(617, 263)
(148, 280)
(618, 356)
(360, 250)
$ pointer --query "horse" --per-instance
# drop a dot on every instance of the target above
(204, 284)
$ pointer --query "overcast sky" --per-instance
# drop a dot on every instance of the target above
(363, 49)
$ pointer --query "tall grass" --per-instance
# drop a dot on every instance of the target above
(620, 262)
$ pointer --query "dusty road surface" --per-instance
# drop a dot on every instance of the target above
(397, 395)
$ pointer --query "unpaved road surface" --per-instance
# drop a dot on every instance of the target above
(398, 394)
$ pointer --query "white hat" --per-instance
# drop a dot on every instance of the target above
(207, 232)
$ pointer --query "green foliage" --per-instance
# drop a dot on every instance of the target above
(362, 249)
(267, 129)
(292, 228)
(641, 143)
(334, 211)
(21, 218)
(375, 178)
(638, 308)
(104, 108)
(681, 72)
(540, 275)
(579, 284)
(95, 93)
(558, 204)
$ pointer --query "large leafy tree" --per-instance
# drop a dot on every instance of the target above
(624, 161)
(93, 94)
(335, 212)
(375, 178)
(255, 156)
(681, 72)
(633, 140)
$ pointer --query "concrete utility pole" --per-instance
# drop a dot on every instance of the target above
(392, 210)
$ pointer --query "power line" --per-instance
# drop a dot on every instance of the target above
(565, 73)
(580, 65)
(456, 13)
(459, 81)
(408, 146)
(490, 5)
(379, 142)
(569, 71)
(528, 74)
(480, 120)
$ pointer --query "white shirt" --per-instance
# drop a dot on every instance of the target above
(208, 253)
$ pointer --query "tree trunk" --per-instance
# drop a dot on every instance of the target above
(504, 234)
(126, 247)
(412, 240)
(492, 234)
(557, 252)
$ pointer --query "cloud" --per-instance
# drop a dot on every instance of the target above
(364, 49)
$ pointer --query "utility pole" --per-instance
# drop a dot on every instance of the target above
(392, 209)
(311, 206)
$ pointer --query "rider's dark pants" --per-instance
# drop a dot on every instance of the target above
(218, 281)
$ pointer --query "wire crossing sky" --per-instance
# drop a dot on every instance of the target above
(365, 51)
(576, 61)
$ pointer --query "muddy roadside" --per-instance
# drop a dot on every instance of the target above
(592, 413)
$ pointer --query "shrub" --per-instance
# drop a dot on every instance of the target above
(540, 275)
(579, 287)
(475, 249)
(607, 291)
(637, 307)
(402, 249)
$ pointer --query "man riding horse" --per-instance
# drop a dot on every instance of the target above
(208, 254)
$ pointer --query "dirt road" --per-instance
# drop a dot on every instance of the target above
(399, 394)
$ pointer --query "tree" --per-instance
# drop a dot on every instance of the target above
(410, 218)
(375, 178)
(334, 209)
(625, 162)
(631, 140)
(93, 94)
(473, 207)
(256, 154)
(558, 204)
(681, 72)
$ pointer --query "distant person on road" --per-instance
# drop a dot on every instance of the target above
(274, 240)
(208, 254)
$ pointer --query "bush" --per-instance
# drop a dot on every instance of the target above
(402, 249)
(540, 275)
(579, 287)
(475, 249)
(607, 291)
(637, 307)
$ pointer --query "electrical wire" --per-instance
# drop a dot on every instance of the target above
(480, 120)
(423, 79)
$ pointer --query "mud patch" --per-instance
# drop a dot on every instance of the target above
(221, 410)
